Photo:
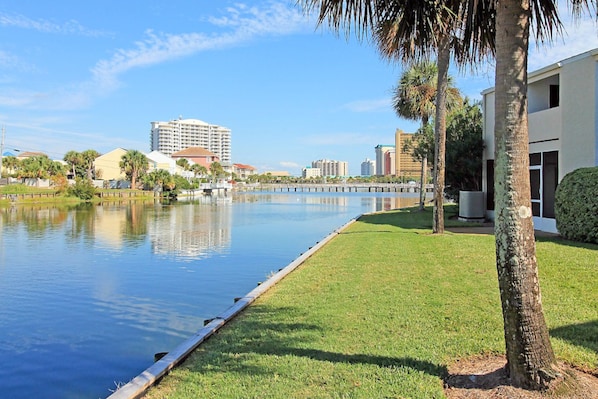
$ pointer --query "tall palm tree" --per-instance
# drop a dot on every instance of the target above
(412, 29)
(134, 163)
(74, 159)
(530, 358)
(413, 99)
(217, 170)
(87, 159)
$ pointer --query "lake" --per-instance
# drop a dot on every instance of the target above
(89, 294)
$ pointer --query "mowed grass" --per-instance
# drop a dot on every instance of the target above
(381, 311)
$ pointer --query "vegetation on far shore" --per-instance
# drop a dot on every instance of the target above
(382, 311)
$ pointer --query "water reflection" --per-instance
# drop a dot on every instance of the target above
(89, 293)
(191, 232)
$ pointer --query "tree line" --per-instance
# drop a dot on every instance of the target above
(79, 166)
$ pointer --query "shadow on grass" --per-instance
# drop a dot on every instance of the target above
(413, 218)
(563, 241)
(260, 332)
(582, 334)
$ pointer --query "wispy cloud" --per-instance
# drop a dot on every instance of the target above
(40, 25)
(578, 37)
(246, 23)
(239, 25)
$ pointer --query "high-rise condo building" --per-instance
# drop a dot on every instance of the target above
(383, 165)
(368, 167)
(178, 134)
(331, 168)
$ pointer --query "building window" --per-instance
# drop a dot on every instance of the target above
(490, 184)
(544, 174)
(554, 96)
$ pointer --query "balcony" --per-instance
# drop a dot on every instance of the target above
(545, 125)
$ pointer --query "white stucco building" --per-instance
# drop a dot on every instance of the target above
(563, 131)
(179, 134)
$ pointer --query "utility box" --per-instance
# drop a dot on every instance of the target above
(471, 206)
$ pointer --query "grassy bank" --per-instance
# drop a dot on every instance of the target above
(381, 311)
(24, 195)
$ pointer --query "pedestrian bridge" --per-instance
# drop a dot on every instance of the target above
(347, 187)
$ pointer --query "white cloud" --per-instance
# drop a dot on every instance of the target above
(40, 25)
(241, 24)
(578, 38)
(247, 23)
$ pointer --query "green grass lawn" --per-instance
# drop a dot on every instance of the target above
(381, 311)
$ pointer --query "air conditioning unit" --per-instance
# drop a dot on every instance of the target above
(471, 206)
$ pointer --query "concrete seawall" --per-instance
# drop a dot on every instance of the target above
(140, 384)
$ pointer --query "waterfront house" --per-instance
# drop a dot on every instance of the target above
(243, 171)
(198, 155)
(107, 166)
(159, 161)
(563, 131)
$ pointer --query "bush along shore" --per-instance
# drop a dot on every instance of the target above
(383, 310)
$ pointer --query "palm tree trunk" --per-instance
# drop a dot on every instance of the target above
(444, 54)
(530, 359)
(422, 188)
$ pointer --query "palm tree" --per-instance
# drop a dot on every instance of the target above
(87, 159)
(11, 164)
(73, 159)
(530, 358)
(414, 99)
(183, 163)
(217, 170)
(36, 167)
(198, 169)
(414, 30)
(134, 163)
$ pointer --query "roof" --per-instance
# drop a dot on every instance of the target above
(242, 166)
(552, 67)
(29, 154)
(157, 156)
(193, 152)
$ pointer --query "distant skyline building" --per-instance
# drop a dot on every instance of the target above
(179, 134)
(368, 167)
(382, 160)
(405, 165)
(389, 162)
(309, 172)
(331, 168)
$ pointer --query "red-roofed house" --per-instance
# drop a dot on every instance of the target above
(243, 171)
(199, 155)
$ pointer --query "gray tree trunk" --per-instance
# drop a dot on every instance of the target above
(444, 55)
(530, 359)
(422, 190)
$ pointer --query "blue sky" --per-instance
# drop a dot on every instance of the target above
(77, 75)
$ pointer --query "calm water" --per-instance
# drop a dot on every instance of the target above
(88, 295)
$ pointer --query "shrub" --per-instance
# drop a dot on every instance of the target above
(82, 189)
(576, 205)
